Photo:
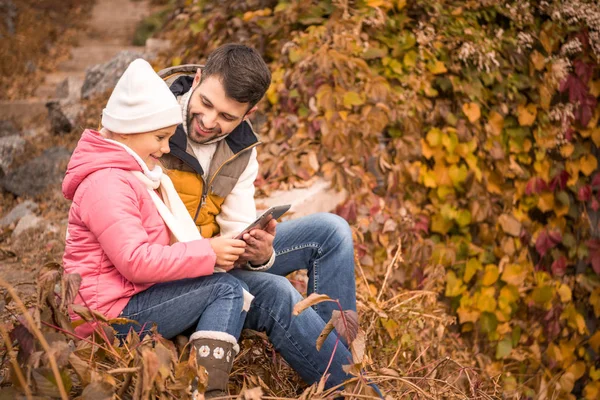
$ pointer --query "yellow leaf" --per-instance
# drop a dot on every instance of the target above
(514, 274)
(490, 276)
(486, 303)
(546, 41)
(595, 134)
(465, 315)
(577, 369)
(440, 225)
(457, 174)
(588, 164)
(473, 265)
(527, 114)
(352, 99)
(595, 301)
(175, 61)
(426, 150)
(538, 60)
(592, 391)
(546, 201)
(437, 68)
(574, 319)
(566, 150)
(390, 326)
(454, 286)
(564, 292)
(400, 4)
(573, 171)
(510, 225)
(566, 382)
(594, 373)
(496, 123)
(546, 93)
(594, 341)
(472, 111)
(434, 137)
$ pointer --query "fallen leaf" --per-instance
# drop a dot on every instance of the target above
(311, 300)
(510, 225)
(324, 333)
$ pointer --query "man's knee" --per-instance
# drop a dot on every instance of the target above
(337, 227)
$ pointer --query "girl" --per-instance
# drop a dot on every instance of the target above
(133, 242)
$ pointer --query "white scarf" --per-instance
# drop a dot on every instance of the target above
(170, 206)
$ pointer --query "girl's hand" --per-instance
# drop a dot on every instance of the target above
(228, 250)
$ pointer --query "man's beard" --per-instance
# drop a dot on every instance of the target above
(193, 134)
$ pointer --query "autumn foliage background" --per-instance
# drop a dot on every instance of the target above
(467, 135)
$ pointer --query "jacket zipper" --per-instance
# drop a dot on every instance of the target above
(205, 186)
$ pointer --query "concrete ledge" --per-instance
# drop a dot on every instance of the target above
(319, 197)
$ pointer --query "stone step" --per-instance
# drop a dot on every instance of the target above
(319, 197)
(90, 54)
(52, 81)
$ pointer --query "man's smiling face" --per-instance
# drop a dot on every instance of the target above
(211, 113)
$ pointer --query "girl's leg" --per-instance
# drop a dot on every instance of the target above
(208, 303)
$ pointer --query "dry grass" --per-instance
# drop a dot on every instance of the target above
(43, 32)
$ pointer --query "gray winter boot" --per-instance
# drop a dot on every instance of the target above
(215, 351)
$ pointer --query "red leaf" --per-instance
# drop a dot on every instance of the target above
(576, 85)
(546, 241)
(595, 204)
(347, 329)
(583, 70)
(569, 135)
(347, 211)
(596, 181)
(594, 251)
(584, 193)
(559, 180)
(422, 224)
(559, 266)
(535, 186)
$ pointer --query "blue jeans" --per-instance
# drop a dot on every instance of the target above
(207, 303)
(322, 244)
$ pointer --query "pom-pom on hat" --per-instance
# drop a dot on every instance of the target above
(140, 102)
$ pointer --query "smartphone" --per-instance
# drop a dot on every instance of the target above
(262, 221)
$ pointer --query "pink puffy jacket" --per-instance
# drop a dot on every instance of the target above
(117, 240)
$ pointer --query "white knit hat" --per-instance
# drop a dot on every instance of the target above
(140, 102)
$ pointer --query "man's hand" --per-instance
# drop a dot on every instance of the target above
(228, 250)
(259, 245)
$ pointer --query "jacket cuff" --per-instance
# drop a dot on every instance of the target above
(263, 267)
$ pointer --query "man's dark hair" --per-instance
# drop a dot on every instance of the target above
(242, 71)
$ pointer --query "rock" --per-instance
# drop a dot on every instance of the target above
(36, 175)
(18, 212)
(103, 77)
(70, 89)
(63, 115)
(29, 221)
(319, 197)
(7, 128)
(10, 148)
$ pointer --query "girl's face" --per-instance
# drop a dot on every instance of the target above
(150, 146)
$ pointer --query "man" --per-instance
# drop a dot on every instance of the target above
(213, 166)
